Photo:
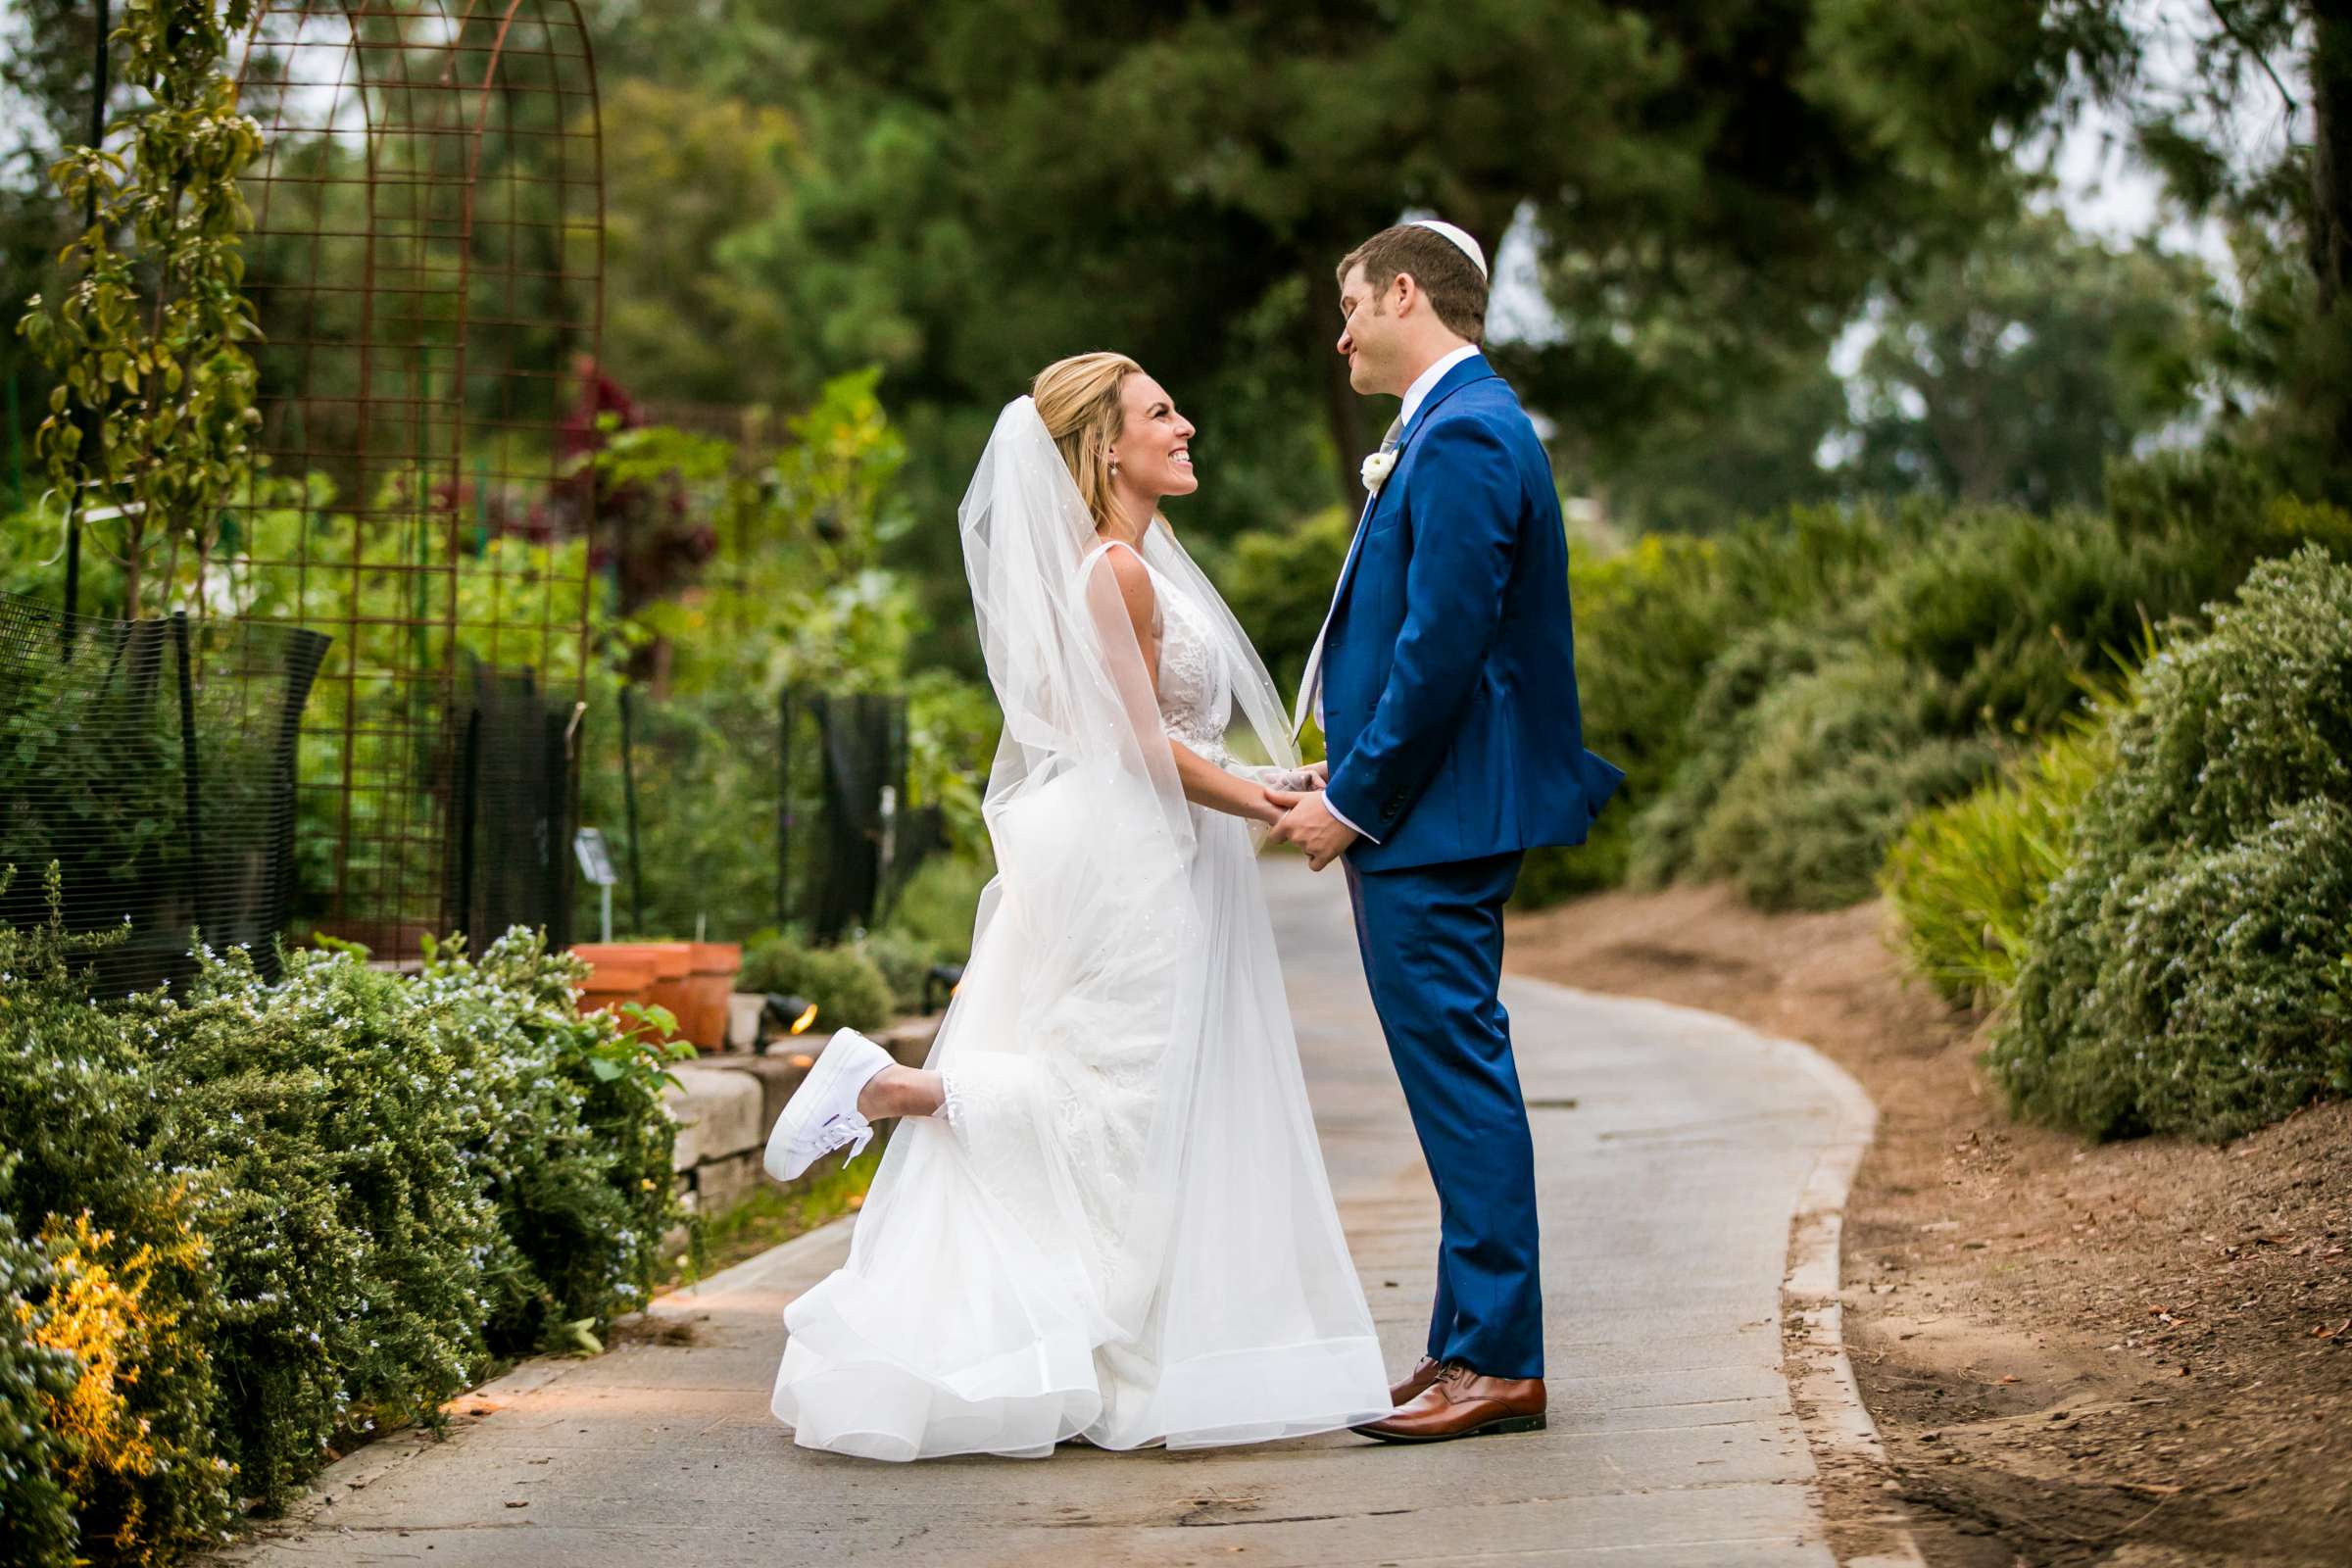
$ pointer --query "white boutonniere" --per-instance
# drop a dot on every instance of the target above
(1376, 470)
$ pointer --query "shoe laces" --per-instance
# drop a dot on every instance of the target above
(846, 1127)
(1455, 1372)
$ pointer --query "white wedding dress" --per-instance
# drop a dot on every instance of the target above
(1120, 1227)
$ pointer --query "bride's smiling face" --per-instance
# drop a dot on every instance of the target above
(1153, 449)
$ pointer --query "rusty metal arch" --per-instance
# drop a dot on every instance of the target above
(426, 261)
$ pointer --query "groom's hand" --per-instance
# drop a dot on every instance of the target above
(1311, 825)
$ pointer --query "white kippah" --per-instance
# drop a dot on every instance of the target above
(1461, 239)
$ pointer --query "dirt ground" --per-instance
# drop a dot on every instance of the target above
(2136, 1353)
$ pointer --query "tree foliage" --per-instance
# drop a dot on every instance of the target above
(2012, 374)
(2284, 191)
(990, 185)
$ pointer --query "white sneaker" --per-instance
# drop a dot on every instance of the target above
(822, 1113)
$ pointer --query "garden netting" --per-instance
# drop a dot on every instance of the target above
(728, 815)
(152, 763)
(510, 847)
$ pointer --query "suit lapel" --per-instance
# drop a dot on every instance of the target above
(1472, 370)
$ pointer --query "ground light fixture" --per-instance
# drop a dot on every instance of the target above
(942, 976)
(782, 1015)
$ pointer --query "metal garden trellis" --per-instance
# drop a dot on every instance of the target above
(426, 263)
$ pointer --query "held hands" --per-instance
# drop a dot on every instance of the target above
(1308, 822)
(1291, 780)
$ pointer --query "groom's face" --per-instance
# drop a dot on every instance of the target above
(1368, 334)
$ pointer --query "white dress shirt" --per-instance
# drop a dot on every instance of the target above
(1415, 396)
(1427, 382)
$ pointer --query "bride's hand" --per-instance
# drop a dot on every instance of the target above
(1276, 803)
(1318, 774)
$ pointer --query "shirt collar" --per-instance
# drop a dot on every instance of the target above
(1427, 382)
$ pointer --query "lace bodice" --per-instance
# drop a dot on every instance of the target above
(1196, 691)
(1195, 684)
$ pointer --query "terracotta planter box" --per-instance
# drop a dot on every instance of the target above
(653, 972)
(617, 975)
(710, 981)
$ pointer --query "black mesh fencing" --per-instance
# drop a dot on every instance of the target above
(861, 773)
(152, 761)
(509, 844)
(726, 816)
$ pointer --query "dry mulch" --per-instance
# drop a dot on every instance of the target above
(2135, 1353)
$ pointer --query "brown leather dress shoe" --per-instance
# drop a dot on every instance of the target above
(1461, 1403)
(1425, 1372)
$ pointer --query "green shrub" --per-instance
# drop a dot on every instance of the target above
(2013, 612)
(575, 1155)
(126, 1285)
(36, 1376)
(941, 902)
(1720, 722)
(1649, 627)
(2176, 977)
(1810, 563)
(2010, 612)
(1994, 618)
(1648, 620)
(412, 1174)
(351, 1239)
(1278, 582)
(849, 991)
(905, 961)
(1966, 877)
(1839, 762)
(2212, 487)
(372, 1181)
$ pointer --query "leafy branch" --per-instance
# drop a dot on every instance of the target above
(152, 417)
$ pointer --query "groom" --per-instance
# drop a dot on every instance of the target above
(1445, 682)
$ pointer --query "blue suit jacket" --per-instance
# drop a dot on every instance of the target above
(1450, 703)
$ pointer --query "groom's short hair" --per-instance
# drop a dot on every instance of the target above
(1456, 289)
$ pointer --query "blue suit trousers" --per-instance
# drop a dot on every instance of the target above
(1431, 941)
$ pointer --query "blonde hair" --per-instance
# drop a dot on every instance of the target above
(1079, 399)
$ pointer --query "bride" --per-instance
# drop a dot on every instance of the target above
(1105, 1216)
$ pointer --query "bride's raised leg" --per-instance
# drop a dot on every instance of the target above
(902, 1092)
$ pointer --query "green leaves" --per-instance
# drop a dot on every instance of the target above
(146, 343)
(2177, 972)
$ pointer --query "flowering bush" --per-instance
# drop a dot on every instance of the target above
(122, 1291)
(576, 1156)
(351, 1238)
(419, 1173)
(35, 1378)
(247, 1223)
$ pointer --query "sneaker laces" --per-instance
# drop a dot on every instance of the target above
(846, 1127)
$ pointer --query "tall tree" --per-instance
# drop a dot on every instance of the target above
(2013, 373)
(2260, 136)
(1715, 183)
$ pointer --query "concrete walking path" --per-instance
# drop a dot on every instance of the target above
(1675, 1150)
